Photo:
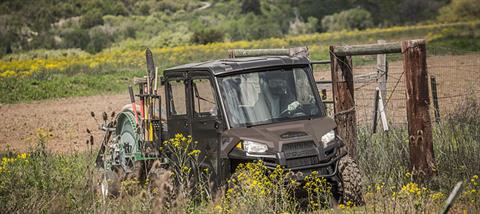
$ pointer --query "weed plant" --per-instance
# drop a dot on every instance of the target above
(40, 181)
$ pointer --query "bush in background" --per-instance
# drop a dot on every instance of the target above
(207, 35)
(459, 10)
(298, 26)
(353, 19)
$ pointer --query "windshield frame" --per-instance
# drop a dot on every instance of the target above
(312, 85)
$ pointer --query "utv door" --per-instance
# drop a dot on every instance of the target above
(176, 94)
(206, 117)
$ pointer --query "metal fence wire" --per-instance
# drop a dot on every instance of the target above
(455, 76)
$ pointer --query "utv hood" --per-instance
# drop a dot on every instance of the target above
(277, 134)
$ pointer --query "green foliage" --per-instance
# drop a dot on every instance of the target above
(207, 35)
(385, 156)
(98, 73)
(353, 19)
(50, 22)
(391, 12)
(75, 37)
(55, 183)
(251, 6)
(100, 38)
(45, 182)
(298, 27)
(459, 10)
(47, 86)
(244, 28)
(91, 18)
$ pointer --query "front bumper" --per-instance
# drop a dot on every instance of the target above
(306, 160)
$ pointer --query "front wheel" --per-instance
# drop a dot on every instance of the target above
(350, 189)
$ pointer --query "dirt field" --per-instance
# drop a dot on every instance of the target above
(67, 119)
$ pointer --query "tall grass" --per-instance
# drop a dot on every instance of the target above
(41, 181)
(384, 157)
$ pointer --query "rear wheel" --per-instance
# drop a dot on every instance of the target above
(119, 157)
(350, 188)
(128, 144)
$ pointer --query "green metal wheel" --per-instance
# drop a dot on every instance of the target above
(127, 141)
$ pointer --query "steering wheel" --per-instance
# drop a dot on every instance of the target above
(286, 112)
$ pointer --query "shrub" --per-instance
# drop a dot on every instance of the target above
(251, 6)
(91, 18)
(75, 38)
(352, 19)
(299, 27)
(100, 38)
(459, 10)
(45, 182)
(207, 35)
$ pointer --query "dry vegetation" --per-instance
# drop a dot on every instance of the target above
(46, 182)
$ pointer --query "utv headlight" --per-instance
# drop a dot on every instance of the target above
(250, 146)
(328, 138)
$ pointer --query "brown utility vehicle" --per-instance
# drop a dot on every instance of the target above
(240, 110)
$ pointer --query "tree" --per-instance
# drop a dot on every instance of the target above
(348, 20)
(300, 27)
(389, 12)
(207, 35)
(459, 10)
(91, 18)
(251, 6)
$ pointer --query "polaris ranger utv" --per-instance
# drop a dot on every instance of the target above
(239, 110)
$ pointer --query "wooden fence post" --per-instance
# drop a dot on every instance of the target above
(343, 99)
(422, 162)
(382, 74)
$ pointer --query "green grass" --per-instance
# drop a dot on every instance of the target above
(113, 74)
(14, 90)
(47, 182)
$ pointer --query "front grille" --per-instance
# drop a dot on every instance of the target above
(298, 146)
(300, 154)
(302, 161)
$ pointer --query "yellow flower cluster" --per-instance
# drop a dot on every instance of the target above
(412, 188)
(182, 142)
(346, 206)
(472, 190)
(251, 178)
(319, 190)
(6, 161)
(121, 58)
(438, 196)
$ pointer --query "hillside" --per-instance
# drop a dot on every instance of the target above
(73, 72)
(94, 25)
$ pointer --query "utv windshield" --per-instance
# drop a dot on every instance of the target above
(268, 96)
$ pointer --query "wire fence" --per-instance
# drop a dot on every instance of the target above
(456, 73)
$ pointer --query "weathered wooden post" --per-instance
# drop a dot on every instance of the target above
(422, 160)
(382, 74)
(343, 99)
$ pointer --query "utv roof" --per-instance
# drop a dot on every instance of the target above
(226, 66)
